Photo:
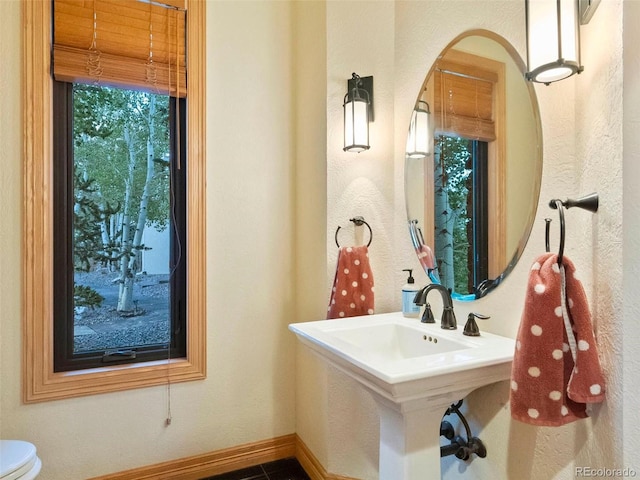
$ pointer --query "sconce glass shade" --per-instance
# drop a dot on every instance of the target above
(356, 120)
(553, 40)
(420, 138)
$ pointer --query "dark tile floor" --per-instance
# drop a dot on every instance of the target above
(287, 469)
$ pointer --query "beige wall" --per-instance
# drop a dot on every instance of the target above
(10, 180)
(249, 393)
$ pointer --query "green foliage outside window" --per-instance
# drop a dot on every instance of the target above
(451, 176)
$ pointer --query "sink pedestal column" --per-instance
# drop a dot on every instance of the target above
(410, 439)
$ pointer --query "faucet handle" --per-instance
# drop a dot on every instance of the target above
(471, 327)
(427, 316)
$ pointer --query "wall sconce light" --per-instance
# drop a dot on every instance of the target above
(420, 138)
(553, 40)
(358, 112)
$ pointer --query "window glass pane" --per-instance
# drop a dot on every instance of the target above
(121, 219)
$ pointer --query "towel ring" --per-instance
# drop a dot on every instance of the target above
(588, 202)
(557, 204)
(357, 221)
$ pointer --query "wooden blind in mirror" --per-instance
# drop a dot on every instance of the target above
(464, 99)
(131, 44)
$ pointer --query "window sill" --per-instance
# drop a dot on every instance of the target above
(57, 386)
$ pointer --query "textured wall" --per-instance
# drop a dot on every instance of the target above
(631, 231)
(598, 167)
(582, 140)
(360, 40)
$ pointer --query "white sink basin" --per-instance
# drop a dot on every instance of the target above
(403, 359)
(391, 341)
(414, 371)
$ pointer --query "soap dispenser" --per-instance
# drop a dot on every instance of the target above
(409, 290)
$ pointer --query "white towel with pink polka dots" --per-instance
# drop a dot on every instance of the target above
(554, 375)
(352, 292)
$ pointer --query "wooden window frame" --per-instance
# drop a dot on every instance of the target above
(40, 382)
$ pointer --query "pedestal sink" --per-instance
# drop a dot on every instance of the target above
(414, 371)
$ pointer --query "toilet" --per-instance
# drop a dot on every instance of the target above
(18, 460)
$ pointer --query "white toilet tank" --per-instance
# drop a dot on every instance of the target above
(18, 460)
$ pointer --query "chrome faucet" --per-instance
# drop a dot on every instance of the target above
(448, 319)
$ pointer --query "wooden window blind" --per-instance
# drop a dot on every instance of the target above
(141, 44)
(464, 100)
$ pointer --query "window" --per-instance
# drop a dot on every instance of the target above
(41, 381)
(119, 226)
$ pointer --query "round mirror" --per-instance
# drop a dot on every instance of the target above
(473, 165)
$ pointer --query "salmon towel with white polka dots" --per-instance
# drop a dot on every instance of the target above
(352, 292)
(554, 375)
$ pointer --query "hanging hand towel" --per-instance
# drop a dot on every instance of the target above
(556, 370)
(352, 292)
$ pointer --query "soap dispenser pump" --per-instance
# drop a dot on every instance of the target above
(409, 290)
(471, 327)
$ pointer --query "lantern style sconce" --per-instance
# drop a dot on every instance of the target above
(553, 37)
(358, 112)
(420, 138)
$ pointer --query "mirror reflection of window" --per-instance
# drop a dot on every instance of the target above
(468, 170)
(461, 217)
